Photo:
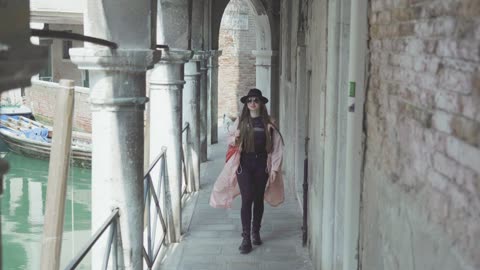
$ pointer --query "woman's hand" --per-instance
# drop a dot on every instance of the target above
(273, 175)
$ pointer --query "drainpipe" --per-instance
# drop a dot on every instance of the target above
(357, 74)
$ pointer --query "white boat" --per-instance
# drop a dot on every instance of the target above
(31, 138)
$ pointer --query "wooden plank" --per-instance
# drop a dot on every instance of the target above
(57, 177)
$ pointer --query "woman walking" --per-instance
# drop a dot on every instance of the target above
(253, 167)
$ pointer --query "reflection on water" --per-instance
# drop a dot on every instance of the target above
(23, 208)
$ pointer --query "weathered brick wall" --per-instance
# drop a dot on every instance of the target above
(422, 168)
(41, 98)
(237, 64)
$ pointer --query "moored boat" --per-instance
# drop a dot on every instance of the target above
(31, 138)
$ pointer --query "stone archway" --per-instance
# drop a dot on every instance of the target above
(264, 33)
(263, 53)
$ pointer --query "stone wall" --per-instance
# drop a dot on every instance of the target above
(420, 198)
(422, 168)
(41, 98)
(236, 73)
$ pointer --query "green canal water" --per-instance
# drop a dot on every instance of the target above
(23, 211)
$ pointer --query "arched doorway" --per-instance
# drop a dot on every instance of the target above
(257, 59)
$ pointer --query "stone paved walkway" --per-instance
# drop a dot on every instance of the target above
(211, 236)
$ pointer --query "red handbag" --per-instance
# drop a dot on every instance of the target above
(230, 151)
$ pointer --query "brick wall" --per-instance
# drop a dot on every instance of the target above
(41, 98)
(237, 63)
(422, 167)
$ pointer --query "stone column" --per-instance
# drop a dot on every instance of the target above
(191, 113)
(263, 67)
(117, 102)
(166, 85)
(213, 95)
(203, 109)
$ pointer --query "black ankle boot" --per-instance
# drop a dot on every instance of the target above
(256, 240)
(246, 245)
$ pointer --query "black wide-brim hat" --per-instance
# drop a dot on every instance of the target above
(254, 92)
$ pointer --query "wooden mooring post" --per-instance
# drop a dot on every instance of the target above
(57, 177)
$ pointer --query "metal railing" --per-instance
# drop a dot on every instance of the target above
(161, 200)
(159, 194)
(112, 223)
(156, 195)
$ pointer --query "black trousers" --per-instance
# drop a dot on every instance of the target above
(252, 178)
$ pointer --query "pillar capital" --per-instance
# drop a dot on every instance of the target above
(264, 57)
(199, 55)
(213, 61)
(126, 60)
(170, 70)
(215, 53)
(109, 94)
(175, 56)
(264, 53)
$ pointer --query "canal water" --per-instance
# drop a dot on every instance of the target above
(23, 211)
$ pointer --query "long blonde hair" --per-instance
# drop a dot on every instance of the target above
(246, 129)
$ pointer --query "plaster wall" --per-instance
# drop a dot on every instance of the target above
(311, 18)
(288, 87)
(198, 41)
(316, 36)
(172, 23)
(64, 68)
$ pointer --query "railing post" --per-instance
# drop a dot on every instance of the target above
(115, 245)
(188, 159)
(166, 200)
